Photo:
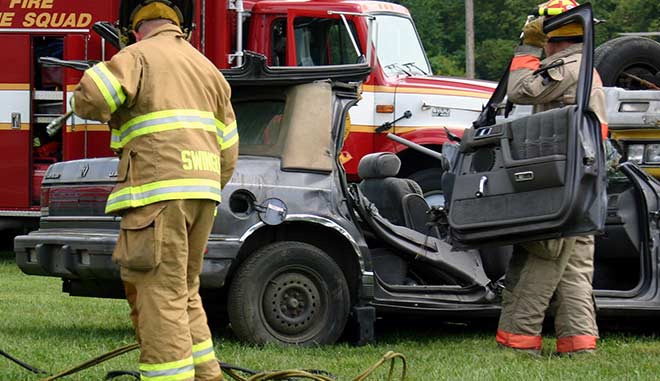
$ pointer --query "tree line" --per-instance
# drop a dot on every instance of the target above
(441, 26)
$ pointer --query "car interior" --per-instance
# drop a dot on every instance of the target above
(400, 202)
(618, 259)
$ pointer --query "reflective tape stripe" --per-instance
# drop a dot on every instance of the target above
(141, 195)
(169, 371)
(230, 137)
(604, 130)
(525, 62)
(108, 85)
(576, 343)
(203, 352)
(227, 135)
(167, 120)
(518, 341)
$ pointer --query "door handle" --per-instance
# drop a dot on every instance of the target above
(482, 187)
(523, 176)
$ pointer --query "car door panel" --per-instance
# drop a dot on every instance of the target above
(535, 177)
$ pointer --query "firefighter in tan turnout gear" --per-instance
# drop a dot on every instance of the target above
(554, 274)
(174, 129)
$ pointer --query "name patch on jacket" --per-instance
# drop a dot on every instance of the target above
(200, 161)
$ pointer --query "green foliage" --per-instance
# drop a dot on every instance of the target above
(441, 26)
(443, 64)
(493, 57)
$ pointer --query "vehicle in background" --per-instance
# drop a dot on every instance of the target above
(634, 122)
(630, 69)
(400, 95)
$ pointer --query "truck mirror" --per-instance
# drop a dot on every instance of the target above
(108, 32)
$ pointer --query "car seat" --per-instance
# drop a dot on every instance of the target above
(398, 200)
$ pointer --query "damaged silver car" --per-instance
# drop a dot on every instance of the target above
(297, 252)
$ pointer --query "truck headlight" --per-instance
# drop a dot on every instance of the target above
(636, 153)
(652, 154)
(633, 106)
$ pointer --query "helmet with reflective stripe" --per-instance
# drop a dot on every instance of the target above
(133, 12)
(572, 31)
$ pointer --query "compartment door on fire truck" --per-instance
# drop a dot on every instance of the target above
(15, 121)
(47, 89)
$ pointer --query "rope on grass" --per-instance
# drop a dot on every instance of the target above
(315, 375)
(94, 361)
(231, 370)
(391, 357)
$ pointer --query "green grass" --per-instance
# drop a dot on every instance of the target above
(53, 331)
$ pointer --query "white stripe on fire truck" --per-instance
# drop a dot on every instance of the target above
(15, 102)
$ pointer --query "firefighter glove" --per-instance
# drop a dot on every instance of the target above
(533, 33)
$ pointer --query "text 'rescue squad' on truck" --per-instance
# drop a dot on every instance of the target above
(289, 33)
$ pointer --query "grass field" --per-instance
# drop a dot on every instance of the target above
(53, 331)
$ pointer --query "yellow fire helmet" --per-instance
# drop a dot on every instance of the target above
(570, 31)
(133, 12)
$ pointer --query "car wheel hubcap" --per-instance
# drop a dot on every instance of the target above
(290, 303)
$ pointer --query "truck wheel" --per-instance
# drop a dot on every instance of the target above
(637, 56)
(430, 182)
(289, 293)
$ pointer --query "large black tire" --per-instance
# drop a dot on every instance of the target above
(638, 56)
(430, 182)
(289, 293)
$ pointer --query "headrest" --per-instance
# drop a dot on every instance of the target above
(379, 165)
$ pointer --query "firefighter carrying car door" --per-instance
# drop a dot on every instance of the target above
(174, 129)
(554, 274)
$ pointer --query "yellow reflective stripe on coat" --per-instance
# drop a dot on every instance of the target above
(203, 352)
(168, 371)
(141, 195)
(227, 135)
(160, 121)
(108, 85)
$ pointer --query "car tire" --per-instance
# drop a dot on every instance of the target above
(638, 56)
(289, 293)
(430, 180)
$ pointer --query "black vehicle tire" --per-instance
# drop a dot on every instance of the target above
(430, 180)
(638, 56)
(289, 293)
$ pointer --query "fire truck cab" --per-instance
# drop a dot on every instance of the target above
(399, 96)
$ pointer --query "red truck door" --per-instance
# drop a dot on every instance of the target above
(15, 163)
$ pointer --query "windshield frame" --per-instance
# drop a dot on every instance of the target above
(399, 68)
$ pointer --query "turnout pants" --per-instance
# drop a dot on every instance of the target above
(160, 250)
(562, 268)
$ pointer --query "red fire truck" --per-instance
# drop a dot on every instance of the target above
(400, 96)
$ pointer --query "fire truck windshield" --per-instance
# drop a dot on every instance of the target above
(398, 47)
